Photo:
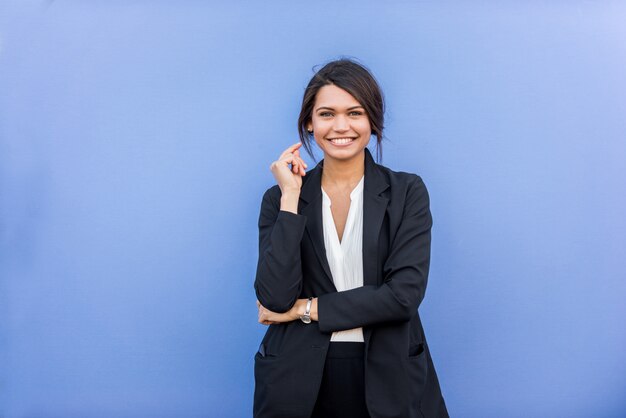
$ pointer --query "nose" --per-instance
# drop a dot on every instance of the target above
(341, 123)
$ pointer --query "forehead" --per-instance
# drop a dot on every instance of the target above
(334, 97)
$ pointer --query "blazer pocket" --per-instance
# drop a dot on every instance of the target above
(416, 349)
(262, 353)
(417, 371)
(267, 368)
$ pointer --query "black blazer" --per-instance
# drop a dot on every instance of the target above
(400, 379)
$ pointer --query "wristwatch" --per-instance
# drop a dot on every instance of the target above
(306, 318)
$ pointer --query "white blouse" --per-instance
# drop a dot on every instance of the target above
(345, 258)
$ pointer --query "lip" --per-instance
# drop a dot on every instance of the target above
(347, 144)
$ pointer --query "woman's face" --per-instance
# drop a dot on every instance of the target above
(340, 125)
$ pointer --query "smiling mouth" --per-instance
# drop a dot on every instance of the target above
(341, 141)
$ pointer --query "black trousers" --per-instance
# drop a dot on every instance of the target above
(342, 393)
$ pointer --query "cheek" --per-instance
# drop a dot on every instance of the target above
(319, 123)
(318, 136)
(365, 127)
(320, 129)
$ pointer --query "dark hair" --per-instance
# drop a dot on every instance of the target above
(356, 80)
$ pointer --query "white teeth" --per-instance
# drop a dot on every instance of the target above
(341, 141)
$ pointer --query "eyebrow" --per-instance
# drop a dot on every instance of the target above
(330, 108)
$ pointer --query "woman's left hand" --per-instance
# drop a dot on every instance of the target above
(267, 317)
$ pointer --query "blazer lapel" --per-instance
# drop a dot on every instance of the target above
(310, 205)
(374, 208)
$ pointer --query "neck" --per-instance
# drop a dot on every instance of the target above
(344, 173)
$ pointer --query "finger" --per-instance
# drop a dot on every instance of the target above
(284, 161)
(297, 154)
(303, 167)
(300, 166)
(291, 149)
(298, 163)
(287, 159)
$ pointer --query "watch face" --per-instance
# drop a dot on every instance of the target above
(306, 319)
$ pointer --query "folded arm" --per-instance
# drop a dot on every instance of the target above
(278, 280)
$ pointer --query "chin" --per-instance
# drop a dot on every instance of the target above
(343, 155)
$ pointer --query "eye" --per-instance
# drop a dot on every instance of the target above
(325, 114)
(356, 113)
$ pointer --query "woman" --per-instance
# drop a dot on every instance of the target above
(344, 253)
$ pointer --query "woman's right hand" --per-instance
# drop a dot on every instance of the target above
(289, 179)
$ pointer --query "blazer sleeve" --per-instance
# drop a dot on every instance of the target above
(278, 279)
(405, 275)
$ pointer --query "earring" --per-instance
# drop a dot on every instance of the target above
(310, 132)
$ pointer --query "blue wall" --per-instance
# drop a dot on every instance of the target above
(135, 141)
